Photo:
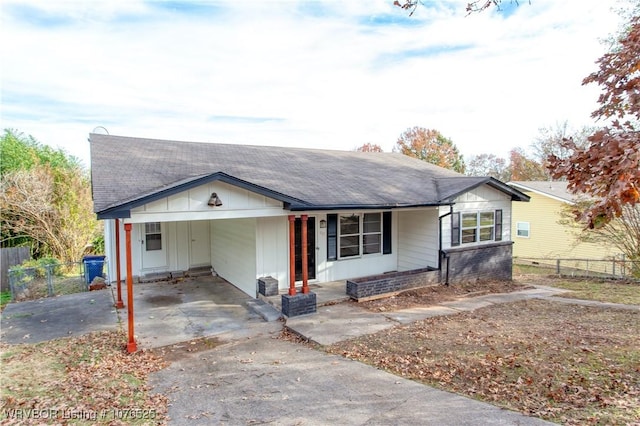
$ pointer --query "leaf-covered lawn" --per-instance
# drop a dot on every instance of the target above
(88, 379)
(625, 292)
(565, 363)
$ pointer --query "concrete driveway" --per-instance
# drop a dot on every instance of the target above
(164, 312)
(264, 380)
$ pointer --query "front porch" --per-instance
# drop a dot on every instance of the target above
(328, 293)
(362, 288)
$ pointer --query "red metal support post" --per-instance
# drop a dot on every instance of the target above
(292, 255)
(131, 345)
(305, 260)
(118, 304)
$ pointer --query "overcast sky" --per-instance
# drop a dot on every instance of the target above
(323, 74)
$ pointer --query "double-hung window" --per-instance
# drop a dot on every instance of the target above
(153, 236)
(354, 235)
(474, 227)
(371, 233)
(522, 229)
(349, 235)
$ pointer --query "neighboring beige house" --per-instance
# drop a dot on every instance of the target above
(537, 233)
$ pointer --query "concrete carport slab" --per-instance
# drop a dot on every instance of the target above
(170, 312)
(165, 313)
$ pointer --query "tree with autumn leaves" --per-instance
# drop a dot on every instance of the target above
(431, 146)
(608, 168)
(427, 145)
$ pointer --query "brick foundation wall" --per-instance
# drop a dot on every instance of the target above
(299, 304)
(486, 262)
(376, 285)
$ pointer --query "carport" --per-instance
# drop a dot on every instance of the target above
(167, 312)
(177, 311)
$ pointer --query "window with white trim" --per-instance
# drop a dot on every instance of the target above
(153, 236)
(523, 229)
(354, 235)
(474, 227)
(349, 239)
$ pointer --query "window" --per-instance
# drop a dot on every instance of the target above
(153, 236)
(349, 236)
(371, 233)
(522, 229)
(473, 227)
(358, 234)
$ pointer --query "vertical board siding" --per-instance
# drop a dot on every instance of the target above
(272, 257)
(196, 199)
(233, 249)
(417, 239)
(182, 246)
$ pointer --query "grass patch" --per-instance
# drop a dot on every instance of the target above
(603, 291)
(90, 377)
(538, 269)
(565, 363)
(5, 297)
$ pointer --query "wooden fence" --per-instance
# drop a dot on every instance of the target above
(11, 256)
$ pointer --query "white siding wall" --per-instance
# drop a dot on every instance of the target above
(272, 249)
(182, 247)
(233, 249)
(483, 198)
(110, 249)
(417, 239)
(356, 267)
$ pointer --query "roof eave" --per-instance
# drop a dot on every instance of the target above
(297, 208)
(515, 194)
(546, 194)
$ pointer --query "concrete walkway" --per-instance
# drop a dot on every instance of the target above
(335, 322)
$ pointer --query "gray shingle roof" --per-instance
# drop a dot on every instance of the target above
(554, 189)
(128, 171)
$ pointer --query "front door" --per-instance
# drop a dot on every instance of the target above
(200, 248)
(154, 246)
(311, 248)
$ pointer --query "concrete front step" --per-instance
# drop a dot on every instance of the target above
(267, 311)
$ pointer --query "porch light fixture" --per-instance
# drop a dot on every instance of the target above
(214, 201)
(323, 223)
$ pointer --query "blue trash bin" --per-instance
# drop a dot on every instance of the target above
(93, 267)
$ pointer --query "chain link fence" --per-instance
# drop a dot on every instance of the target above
(29, 283)
(615, 267)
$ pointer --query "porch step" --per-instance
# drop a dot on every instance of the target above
(199, 272)
(150, 278)
(265, 310)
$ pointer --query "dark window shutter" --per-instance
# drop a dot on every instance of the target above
(498, 226)
(455, 229)
(332, 236)
(386, 232)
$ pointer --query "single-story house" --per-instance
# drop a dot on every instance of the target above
(540, 234)
(292, 216)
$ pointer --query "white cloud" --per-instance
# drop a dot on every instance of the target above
(323, 74)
